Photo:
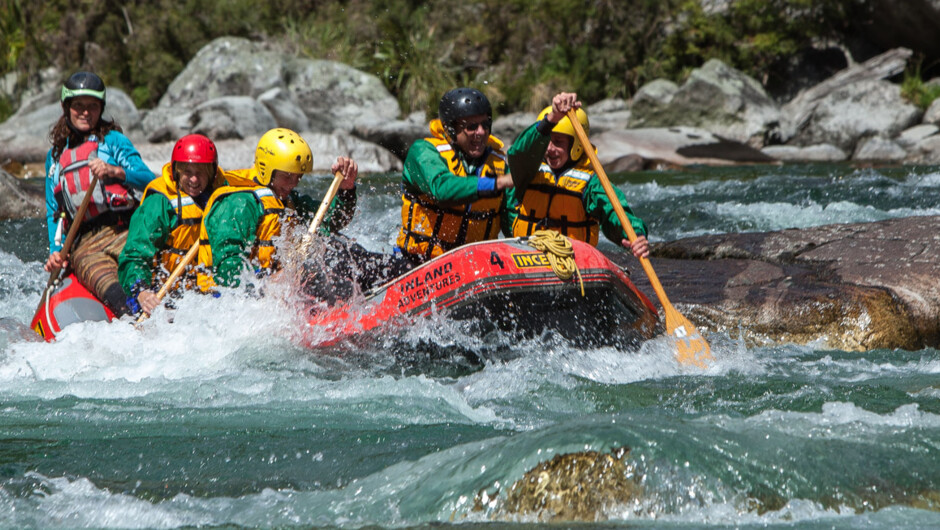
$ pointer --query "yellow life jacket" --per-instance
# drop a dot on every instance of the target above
(269, 226)
(429, 228)
(188, 216)
(557, 203)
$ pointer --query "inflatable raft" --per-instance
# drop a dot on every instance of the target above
(503, 284)
(69, 303)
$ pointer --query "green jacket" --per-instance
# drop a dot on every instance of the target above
(525, 158)
(232, 222)
(147, 234)
(426, 172)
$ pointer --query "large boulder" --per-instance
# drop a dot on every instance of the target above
(717, 98)
(852, 112)
(330, 94)
(853, 286)
(231, 117)
(227, 66)
(678, 146)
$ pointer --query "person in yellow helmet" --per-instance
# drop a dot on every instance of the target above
(453, 181)
(243, 218)
(556, 186)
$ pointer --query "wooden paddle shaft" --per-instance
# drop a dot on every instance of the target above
(69, 238)
(618, 208)
(321, 213)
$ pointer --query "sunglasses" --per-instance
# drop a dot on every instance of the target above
(473, 126)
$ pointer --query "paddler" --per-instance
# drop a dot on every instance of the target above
(556, 187)
(453, 181)
(243, 218)
(166, 225)
(84, 145)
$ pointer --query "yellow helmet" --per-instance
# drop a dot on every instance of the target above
(564, 127)
(283, 150)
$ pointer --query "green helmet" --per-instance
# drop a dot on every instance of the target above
(83, 84)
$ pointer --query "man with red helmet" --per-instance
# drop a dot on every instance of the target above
(166, 224)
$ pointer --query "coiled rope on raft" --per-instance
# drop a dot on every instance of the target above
(560, 254)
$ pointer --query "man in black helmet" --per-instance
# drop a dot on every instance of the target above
(453, 181)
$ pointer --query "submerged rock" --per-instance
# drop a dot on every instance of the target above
(580, 486)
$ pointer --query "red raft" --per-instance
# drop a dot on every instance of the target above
(505, 284)
(69, 303)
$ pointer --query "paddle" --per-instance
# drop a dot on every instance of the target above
(691, 348)
(69, 239)
(321, 213)
(173, 276)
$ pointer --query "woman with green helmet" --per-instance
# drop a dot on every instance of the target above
(84, 146)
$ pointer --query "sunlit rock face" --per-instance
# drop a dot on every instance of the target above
(582, 486)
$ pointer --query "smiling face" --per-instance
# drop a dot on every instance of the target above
(472, 133)
(557, 153)
(84, 112)
(193, 177)
(282, 183)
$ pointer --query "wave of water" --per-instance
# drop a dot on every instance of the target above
(220, 418)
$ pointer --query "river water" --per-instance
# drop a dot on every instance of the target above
(219, 418)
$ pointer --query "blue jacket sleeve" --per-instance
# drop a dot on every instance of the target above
(117, 149)
(52, 205)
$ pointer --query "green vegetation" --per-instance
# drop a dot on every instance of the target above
(519, 51)
(915, 90)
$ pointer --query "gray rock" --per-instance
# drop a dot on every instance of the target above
(508, 127)
(910, 137)
(235, 153)
(121, 108)
(43, 89)
(810, 153)
(286, 113)
(227, 66)
(396, 135)
(720, 99)
(932, 116)
(926, 151)
(231, 117)
(797, 113)
(26, 137)
(163, 124)
(658, 92)
(855, 111)
(608, 105)
(337, 95)
(879, 149)
(678, 146)
(19, 200)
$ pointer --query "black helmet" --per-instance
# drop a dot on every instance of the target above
(83, 84)
(460, 103)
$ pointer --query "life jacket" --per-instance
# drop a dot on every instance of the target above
(185, 231)
(269, 226)
(75, 179)
(429, 228)
(557, 203)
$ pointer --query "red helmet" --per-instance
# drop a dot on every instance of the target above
(195, 148)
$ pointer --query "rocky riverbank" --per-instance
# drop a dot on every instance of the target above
(234, 89)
